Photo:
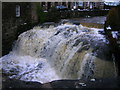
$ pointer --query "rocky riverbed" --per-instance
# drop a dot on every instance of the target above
(68, 56)
(58, 84)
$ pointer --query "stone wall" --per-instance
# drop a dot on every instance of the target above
(12, 25)
(56, 15)
(77, 14)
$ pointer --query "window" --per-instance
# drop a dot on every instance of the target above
(64, 3)
(80, 4)
(91, 5)
(43, 4)
(74, 3)
(17, 10)
(95, 4)
(87, 4)
(56, 3)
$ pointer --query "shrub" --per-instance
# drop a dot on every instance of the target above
(113, 18)
(41, 14)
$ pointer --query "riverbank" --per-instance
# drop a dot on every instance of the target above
(111, 83)
(92, 22)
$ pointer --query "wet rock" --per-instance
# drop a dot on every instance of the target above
(92, 80)
(98, 83)
(92, 83)
(63, 83)
(85, 47)
(77, 42)
(14, 83)
(101, 32)
(40, 65)
(64, 21)
(76, 22)
(47, 24)
(82, 84)
(57, 32)
(13, 71)
(85, 42)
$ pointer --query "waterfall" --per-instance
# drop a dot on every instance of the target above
(45, 54)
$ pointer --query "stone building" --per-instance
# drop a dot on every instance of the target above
(91, 5)
(73, 5)
(16, 18)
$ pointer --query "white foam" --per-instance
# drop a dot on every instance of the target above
(29, 68)
(36, 52)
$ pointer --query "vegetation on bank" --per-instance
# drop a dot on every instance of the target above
(47, 16)
(113, 18)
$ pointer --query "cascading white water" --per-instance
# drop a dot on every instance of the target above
(47, 54)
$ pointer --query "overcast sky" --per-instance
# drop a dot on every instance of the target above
(58, 0)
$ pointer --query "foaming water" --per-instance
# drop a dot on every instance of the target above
(46, 54)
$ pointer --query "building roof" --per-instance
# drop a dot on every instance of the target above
(112, 2)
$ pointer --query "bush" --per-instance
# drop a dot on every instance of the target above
(41, 14)
(53, 15)
(113, 19)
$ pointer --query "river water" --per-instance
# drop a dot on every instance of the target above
(66, 51)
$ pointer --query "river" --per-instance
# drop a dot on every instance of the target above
(66, 51)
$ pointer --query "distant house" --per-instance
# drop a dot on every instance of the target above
(93, 5)
(73, 5)
(16, 18)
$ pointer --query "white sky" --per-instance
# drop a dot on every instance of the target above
(111, 0)
(58, 0)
